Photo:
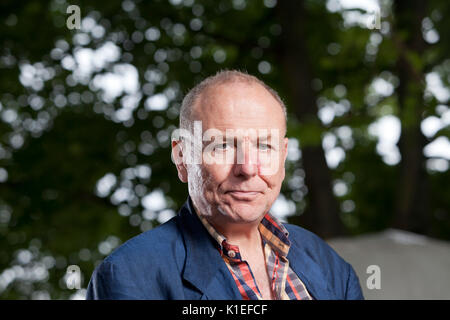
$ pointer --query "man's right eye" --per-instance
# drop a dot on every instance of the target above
(221, 146)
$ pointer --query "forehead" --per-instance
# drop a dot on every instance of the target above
(237, 106)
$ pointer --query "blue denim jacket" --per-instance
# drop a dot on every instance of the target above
(178, 260)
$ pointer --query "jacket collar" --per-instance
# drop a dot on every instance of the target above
(204, 267)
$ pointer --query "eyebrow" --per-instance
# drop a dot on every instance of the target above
(234, 139)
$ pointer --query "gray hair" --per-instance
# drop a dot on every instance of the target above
(224, 76)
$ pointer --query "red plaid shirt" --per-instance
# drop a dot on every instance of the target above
(285, 284)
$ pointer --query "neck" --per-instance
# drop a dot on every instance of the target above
(244, 235)
(240, 234)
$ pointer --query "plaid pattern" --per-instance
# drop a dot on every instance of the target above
(286, 285)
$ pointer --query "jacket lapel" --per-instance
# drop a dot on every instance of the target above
(204, 267)
(310, 274)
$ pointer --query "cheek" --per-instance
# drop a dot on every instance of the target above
(214, 176)
(272, 165)
(273, 181)
(218, 172)
(274, 174)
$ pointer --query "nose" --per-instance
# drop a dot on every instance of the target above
(247, 161)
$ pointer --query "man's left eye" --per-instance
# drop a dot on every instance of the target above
(221, 146)
(264, 146)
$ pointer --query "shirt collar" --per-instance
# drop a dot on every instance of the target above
(271, 229)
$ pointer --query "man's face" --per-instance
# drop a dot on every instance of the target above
(243, 153)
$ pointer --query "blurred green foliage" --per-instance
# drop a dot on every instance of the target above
(62, 129)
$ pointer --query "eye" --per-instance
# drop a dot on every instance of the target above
(221, 146)
(264, 146)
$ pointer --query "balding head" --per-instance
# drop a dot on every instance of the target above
(193, 98)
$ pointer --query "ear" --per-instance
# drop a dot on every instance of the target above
(285, 148)
(178, 159)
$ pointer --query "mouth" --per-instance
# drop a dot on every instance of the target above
(243, 195)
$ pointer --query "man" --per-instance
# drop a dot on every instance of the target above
(224, 243)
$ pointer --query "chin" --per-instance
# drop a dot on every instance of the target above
(247, 212)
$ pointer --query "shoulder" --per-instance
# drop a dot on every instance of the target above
(149, 243)
(136, 269)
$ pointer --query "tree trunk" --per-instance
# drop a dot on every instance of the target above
(412, 209)
(322, 213)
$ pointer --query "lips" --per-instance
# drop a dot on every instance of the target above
(243, 195)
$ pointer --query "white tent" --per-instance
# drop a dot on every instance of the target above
(411, 266)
